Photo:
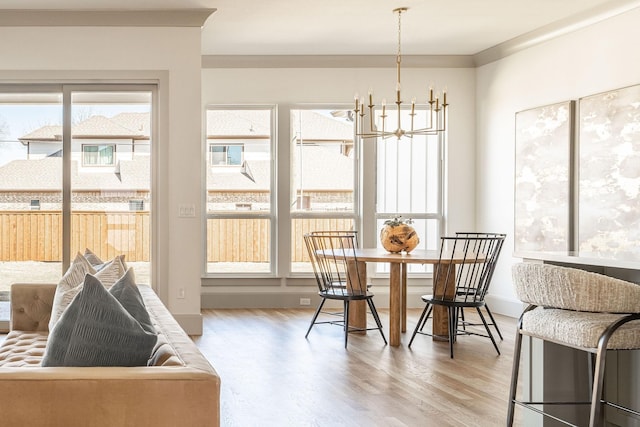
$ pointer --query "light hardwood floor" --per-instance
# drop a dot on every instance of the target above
(273, 376)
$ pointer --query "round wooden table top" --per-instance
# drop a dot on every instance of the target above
(417, 256)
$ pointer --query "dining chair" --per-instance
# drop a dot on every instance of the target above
(340, 277)
(586, 311)
(464, 322)
(462, 284)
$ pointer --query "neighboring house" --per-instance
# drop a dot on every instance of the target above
(238, 162)
(110, 167)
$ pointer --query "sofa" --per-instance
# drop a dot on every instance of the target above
(178, 387)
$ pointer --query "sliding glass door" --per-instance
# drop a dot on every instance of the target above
(75, 173)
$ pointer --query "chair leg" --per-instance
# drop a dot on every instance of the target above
(315, 316)
(486, 326)
(452, 328)
(514, 378)
(461, 316)
(423, 319)
(495, 324)
(374, 313)
(426, 319)
(346, 322)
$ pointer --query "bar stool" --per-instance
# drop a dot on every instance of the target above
(578, 309)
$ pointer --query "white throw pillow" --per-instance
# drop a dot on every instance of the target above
(111, 272)
(69, 286)
(92, 258)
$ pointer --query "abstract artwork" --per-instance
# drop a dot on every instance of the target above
(544, 141)
(609, 174)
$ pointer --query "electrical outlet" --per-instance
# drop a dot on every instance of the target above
(305, 301)
(181, 293)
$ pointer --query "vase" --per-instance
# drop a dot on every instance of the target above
(399, 238)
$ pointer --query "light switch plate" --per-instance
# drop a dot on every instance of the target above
(186, 211)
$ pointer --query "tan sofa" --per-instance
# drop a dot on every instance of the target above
(180, 389)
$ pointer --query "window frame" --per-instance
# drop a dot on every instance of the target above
(438, 215)
(272, 215)
(355, 214)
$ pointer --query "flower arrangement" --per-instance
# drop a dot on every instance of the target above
(397, 220)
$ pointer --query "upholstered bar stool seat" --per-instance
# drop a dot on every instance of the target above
(579, 329)
(578, 309)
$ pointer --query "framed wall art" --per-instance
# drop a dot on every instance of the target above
(544, 144)
(609, 174)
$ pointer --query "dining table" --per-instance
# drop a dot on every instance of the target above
(398, 263)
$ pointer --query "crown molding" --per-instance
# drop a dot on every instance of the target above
(105, 18)
(554, 30)
(335, 61)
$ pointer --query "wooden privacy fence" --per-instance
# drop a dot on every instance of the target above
(37, 235)
(248, 239)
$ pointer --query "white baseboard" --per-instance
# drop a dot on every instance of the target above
(505, 306)
(499, 305)
(191, 323)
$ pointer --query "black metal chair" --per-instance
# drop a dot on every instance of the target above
(335, 266)
(462, 284)
(582, 310)
(464, 322)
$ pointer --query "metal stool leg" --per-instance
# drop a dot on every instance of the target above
(514, 377)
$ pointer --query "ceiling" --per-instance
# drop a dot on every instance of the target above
(360, 27)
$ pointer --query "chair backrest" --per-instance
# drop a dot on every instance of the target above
(335, 264)
(466, 265)
(353, 233)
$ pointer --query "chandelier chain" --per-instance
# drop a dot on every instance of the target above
(399, 57)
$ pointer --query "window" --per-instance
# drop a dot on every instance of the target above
(323, 176)
(97, 155)
(136, 205)
(240, 178)
(409, 184)
(230, 155)
(54, 208)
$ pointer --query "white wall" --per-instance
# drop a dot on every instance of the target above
(171, 57)
(592, 60)
(286, 86)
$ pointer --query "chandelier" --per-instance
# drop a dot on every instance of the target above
(436, 120)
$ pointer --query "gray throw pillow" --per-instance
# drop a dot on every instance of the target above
(127, 293)
(96, 330)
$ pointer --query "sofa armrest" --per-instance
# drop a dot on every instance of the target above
(31, 306)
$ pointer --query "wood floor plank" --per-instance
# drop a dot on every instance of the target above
(273, 376)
